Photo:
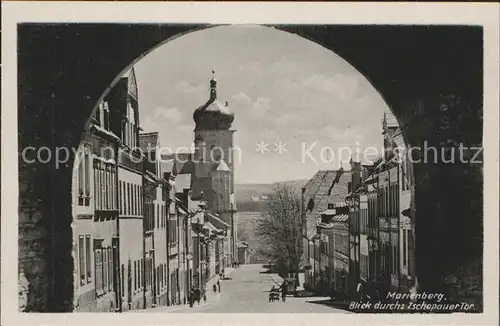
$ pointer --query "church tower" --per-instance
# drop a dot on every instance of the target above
(213, 136)
(213, 155)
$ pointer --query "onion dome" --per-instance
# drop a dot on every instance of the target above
(213, 115)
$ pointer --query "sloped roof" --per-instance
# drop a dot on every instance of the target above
(210, 227)
(214, 218)
(148, 140)
(317, 189)
(328, 212)
(182, 162)
(399, 139)
(390, 118)
(222, 167)
(152, 176)
(183, 181)
(340, 218)
(132, 82)
(149, 178)
(166, 166)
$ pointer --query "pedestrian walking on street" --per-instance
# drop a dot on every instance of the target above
(360, 289)
(214, 287)
(218, 285)
(284, 290)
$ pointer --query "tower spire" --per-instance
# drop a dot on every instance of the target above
(213, 86)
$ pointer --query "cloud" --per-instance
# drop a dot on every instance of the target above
(188, 88)
(254, 67)
(260, 107)
(173, 115)
(344, 137)
(185, 128)
(288, 119)
(335, 133)
(339, 86)
(255, 109)
(149, 124)
(242, 97)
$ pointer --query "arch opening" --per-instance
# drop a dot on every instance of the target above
(103, 95)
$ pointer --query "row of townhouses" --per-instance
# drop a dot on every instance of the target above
(147, 228)
(360, 231)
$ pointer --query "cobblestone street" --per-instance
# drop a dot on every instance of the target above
(247, 292)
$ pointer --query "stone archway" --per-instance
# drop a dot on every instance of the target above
(431, 77)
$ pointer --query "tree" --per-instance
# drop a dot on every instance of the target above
(279, 230)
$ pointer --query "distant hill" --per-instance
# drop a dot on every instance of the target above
(252, 197)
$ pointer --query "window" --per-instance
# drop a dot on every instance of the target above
(158, 279)
(146, 275)
(404, 247)
(124, 198)
(87, 258)
(349, 187)
(140, 196)
(137, 200)
(105, 115)
(98, 271)
(104, 270)
(136, 194)
(129, 212)
(83, 169)
(96, 185)
(172, 230)
(159, 274)
(135, 275)
(132, 186)
(121, 201)
(397, 201)
(112, 185)
(102, 203)
(123, 280)
(110, 269)
(81, 182)
(81, 258)
(136, 189)
(140, 281)
(394, 199)
(87, 177)
(158, 216)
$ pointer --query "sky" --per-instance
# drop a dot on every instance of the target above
(284, 90)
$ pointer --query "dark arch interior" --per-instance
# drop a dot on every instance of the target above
(64, 68)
